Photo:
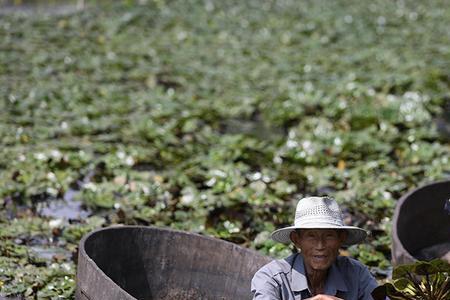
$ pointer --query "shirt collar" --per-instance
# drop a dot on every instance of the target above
(333, 284)
(299, 280)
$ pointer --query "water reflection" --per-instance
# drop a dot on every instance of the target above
(67, 208)
(256, 128)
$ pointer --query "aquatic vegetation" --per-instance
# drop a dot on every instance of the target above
(213, 121)
(420, 280)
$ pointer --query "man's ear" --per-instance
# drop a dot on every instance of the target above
(343, 236)
(295, 237)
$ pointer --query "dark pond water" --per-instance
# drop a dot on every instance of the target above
(51, 7)
(66, 208)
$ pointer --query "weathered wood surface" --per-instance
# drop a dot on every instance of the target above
(136, 262)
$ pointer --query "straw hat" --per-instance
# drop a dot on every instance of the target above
(319, 213)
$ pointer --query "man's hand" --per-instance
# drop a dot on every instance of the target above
(324, 297)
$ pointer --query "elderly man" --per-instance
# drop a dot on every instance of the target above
(317, 271)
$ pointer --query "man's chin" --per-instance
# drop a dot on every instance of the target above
(320, 266)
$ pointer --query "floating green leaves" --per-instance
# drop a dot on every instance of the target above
(213, 121)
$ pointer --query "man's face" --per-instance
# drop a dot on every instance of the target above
(319, 247)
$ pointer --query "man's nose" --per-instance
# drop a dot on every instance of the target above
(320, 243)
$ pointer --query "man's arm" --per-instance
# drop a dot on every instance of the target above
(367, 284)
(264, 286)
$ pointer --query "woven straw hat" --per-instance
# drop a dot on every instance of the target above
(319, 213)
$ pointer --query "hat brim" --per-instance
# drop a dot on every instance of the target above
(355, 235)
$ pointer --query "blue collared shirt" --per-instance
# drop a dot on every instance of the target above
(285, 279)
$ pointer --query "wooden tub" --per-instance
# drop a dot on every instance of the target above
(137, 262)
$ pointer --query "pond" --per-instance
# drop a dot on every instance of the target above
(211, 118)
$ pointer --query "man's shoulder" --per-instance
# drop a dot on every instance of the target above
(350, 263)
(356, 273)
(272, 273)
(278, 266)
(354, 268)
